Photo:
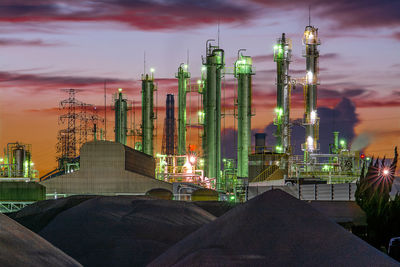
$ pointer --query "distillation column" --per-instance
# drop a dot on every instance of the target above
(121, 111)
(311, 120)
(147, 113)
(214, 64)
(183, 75)
(282, 57)
(243, 71)
(169, 136)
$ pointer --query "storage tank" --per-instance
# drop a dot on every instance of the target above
(19, 157)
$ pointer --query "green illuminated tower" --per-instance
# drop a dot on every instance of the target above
(243, 71)
(311, 120)
(183, 75)
(121, 111)
(147, 113)
(282, 57)
(214, 63)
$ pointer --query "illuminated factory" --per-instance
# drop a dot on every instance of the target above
(192, 172)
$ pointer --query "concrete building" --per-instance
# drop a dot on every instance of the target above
(108, 168)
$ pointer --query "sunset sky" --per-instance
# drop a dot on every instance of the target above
(49, 45)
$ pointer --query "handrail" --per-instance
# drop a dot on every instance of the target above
(265, 173)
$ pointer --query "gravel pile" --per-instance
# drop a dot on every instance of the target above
(273, 229)
(121, 231)
(21, 247)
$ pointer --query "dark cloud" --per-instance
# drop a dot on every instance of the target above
(263, 58)
(184, 14)
(140, 14)
(229, 143)
(396, 36)
(330, 93)
(21, 42)
(35, 82)
(346, 14)
(366, 103)
(329, 56)
(342, 118)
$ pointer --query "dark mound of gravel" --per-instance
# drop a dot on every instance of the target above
(37, 215)
(273, 229)
(216, 208)
(21, 247)
(123, 230)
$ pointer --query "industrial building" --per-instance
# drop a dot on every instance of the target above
(108, 168)
(105, 167)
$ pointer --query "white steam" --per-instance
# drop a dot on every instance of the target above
(361, 141)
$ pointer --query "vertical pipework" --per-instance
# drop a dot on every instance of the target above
(212, 114)
(243, 71)
(336, 142)
(121, 111)
(147, 113)
(311, 120)
(168, 146)
(183, 75)
(282, 57)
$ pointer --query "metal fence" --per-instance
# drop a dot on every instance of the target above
(339, 192)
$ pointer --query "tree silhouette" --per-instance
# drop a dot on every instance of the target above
(372, 195)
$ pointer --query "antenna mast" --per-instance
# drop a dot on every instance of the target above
(218, 33)
(105, 110)
(144, 62)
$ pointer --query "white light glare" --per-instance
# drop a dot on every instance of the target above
(313, 116)
(187, 166)
(310, 143)
(192, 159)
(309, 77)
(385, 171)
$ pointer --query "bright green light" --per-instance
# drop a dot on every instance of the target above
(278, 111)
(198, 82)
(232, 197)
(120, 90)
(204, 68)
(32, 163)
(185, 66)
(1, 159)
(368, 158)
(278, 148)
(152, 70)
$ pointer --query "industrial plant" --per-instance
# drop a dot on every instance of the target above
(88, 163)
(171, 195)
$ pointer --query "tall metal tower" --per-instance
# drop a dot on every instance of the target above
(282, 57)
(214, 63)
(169, 136)
(147, 113)
(79, 120)
(183, 76)
(121, 117)
(311, 120)
(67, 138)
(243, 71)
